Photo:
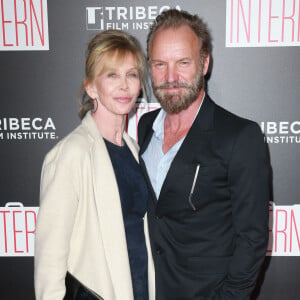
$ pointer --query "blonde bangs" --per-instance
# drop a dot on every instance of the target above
(112, 60)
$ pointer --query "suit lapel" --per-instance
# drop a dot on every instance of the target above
(147, 132)
(194, 142)
(144, 169)
(147, 135)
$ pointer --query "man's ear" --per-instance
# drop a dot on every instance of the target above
(90, 89)
(206, 64)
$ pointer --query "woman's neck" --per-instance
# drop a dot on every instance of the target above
(110, 126)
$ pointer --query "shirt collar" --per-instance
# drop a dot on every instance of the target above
(158, 125)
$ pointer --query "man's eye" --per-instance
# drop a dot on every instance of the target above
(159, 65)
(184, 63)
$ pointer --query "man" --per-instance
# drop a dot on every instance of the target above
(208, 172)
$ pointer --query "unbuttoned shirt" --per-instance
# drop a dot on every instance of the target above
(157, 162)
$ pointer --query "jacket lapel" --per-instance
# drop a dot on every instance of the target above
(195, 141)
(201, 129)
(110, 214)
(147, 135)
(147, 132)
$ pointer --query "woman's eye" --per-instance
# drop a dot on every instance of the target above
(112, 75)
(133, 75)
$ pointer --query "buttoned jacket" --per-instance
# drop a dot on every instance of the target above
(209, 226)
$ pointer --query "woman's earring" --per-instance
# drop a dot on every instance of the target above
(95, 105)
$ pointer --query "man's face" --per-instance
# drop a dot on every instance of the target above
(177, 69)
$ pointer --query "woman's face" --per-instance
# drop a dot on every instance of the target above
(117, 88)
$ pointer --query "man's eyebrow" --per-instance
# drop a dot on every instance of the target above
(156, 60)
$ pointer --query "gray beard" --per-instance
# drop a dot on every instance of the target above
(174, 103)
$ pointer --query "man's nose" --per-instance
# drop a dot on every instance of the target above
(171, 74)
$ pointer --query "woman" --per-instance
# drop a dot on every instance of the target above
(90, 242)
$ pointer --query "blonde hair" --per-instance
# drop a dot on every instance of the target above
(114, 46)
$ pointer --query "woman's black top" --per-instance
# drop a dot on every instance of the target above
(133, 194)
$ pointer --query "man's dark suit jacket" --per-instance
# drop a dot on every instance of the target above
(212, 246)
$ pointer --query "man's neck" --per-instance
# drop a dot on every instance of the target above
(176, 126)
(184, 119)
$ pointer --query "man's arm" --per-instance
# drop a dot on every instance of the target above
(249, 186)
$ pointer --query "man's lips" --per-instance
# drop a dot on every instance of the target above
(172, 87)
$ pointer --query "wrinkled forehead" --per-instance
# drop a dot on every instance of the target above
(168, 41)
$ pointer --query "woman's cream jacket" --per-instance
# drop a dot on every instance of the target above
(80, 225)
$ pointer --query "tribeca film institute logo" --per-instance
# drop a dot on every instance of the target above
(27, 128)
(122, 17)
(281, 132)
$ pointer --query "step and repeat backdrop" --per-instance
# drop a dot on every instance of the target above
(255, 73)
